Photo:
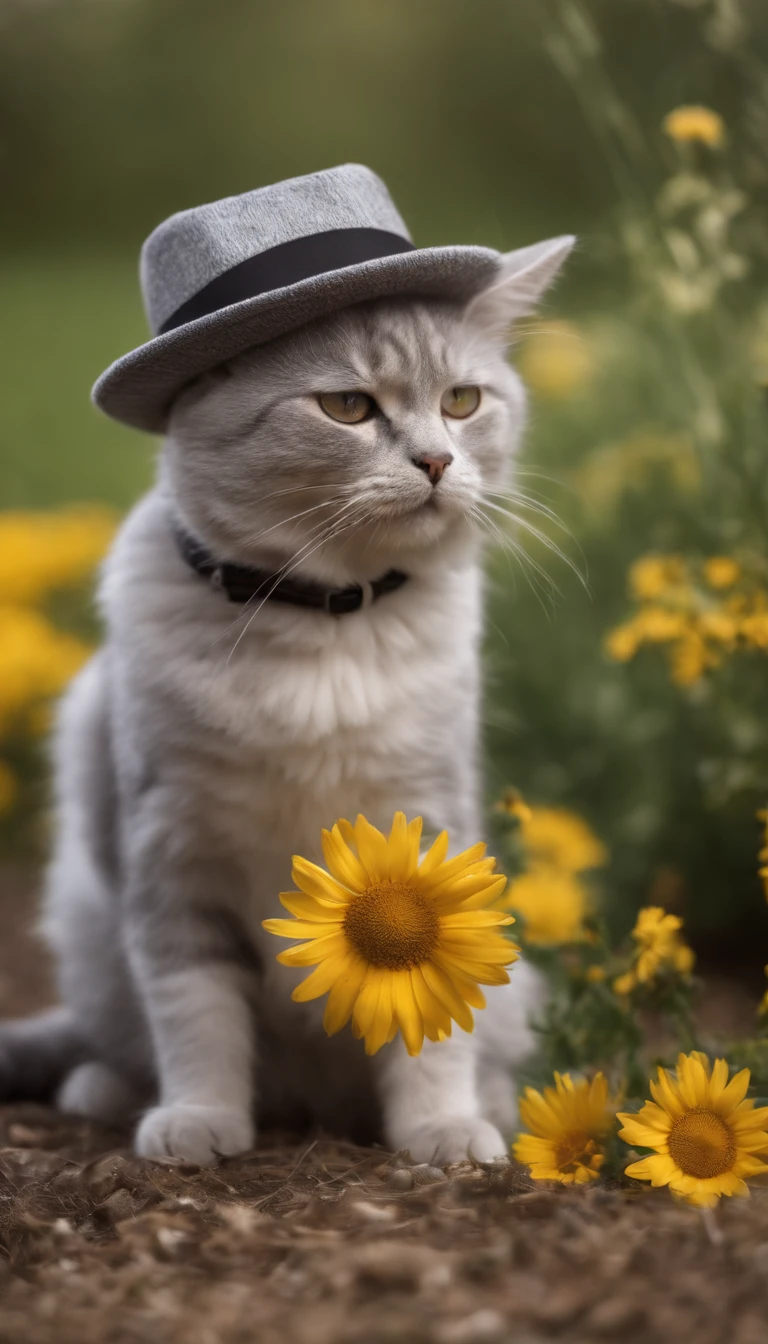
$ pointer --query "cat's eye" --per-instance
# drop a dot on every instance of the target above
(459, 402)
(350, 408)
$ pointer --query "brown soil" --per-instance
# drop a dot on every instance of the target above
(324, 1243)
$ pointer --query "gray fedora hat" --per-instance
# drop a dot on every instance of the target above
(238, 272)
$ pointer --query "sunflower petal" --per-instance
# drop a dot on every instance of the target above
(300, 928)
(381, 1029)
(434, 856)
(309, 954)
(452, 868)
(373, 850)
(658, 1169)
(403, 846)
(342, 996)
(435, 1017)
(342, 862)
(319, 981)
(314, 881)
(446, 994)
(409, 1017)
(307, 907)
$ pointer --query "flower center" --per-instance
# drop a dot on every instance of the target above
(393, 926)
(701, 1144)
(578, 1150)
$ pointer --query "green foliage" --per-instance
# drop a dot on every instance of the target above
(659, 449)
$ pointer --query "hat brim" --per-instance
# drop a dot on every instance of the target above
(139, 388)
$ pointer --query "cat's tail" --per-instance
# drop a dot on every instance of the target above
(36, 1054)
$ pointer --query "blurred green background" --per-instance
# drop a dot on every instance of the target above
(497, 122)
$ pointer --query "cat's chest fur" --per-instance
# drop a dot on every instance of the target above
(304, 718)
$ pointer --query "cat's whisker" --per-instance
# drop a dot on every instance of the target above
(540, 583)
(547, 542)
(246, 605)
(302, 554)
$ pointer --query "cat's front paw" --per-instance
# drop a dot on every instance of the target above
(201, 1134)
(455, 1139)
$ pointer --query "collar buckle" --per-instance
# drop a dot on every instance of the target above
(341, 601)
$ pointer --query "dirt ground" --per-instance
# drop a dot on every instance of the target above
(317, 1242)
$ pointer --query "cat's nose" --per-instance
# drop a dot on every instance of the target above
(434, 463)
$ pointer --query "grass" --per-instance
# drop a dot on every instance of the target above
(65, 318)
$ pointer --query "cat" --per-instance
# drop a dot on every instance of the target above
(205, 743)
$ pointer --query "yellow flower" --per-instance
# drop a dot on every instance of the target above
(690, 660)
(754, 628)
(659, 625)
(652, 575)
(514, 806)
(720, 571)
(43, 551)
(395, 942)
(719, 625)
(8, 788)
(569, 1124)
(704, 1133)
(556, 360)
(695, 123)
(624, 984)
(552, 902)
(36, 660)
(595, 974)
(622, 642)
(559, 838)
(660, 947)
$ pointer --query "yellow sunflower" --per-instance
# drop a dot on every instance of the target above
(396, 942)
(704, 1132)
(569, 1124)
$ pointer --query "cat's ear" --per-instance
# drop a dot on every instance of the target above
(524, 276)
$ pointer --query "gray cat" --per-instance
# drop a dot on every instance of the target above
(207, 742)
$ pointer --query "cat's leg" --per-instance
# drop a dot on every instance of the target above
(36, 1053)
(189, 957)
(98, 1092)
(431, 1103)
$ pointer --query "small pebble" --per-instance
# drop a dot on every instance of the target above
(424, 1174)
(400, 1178)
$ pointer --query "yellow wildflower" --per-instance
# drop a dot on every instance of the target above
(512, 803)
(718, 625)
(623, 641)
(397, 942)
(721, 571)
(686, 124)
(754, 629)
(705, 1134)
(8, 788)
(553, 903)
(690, 660)
(596, 974)
(652, 575)
(762, 871)
(560, 839)
(624, 984)
(660, 947)
(556, 360)
(569, 1126)
(43, 551)
(37, 661)
(659, 625)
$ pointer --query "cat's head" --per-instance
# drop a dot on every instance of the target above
(364, 440)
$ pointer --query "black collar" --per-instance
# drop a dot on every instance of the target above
(242, 584)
